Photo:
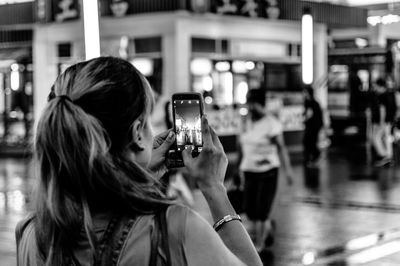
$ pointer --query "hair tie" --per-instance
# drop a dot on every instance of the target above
(64, 97)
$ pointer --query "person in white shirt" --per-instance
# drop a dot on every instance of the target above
(263, 151)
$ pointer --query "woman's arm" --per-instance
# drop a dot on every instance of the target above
(202, 246)
(233, 233)
(284, 156)
(208, 170)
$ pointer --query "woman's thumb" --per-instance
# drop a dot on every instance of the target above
(187, 155)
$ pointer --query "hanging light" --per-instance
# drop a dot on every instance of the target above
(91, 28)
(307, 49)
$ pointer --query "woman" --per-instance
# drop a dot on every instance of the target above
(98, 197)
(263, 149)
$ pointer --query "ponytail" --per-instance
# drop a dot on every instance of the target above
(69, 144)
(80, 176)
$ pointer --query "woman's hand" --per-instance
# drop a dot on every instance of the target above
(161, 145)
(208, 169)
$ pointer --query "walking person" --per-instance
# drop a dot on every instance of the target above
(98, 200)
(313, 121)
(390, 105)
(383, 111)
(263, 151)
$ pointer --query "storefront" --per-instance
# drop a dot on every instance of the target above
(221, 49)
(16, 75)
(256, 53)
(356, 59)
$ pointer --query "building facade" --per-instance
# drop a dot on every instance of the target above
(219, 48)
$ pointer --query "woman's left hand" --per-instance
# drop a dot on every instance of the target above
(161, 145)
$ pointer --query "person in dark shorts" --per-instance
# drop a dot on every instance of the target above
(313, 122)
(263, 150)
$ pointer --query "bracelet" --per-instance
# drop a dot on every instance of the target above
(226, 219)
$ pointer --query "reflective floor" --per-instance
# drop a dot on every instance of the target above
(344, 212)
(15, 184)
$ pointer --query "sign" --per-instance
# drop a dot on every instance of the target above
(225, 122)
(250, 8)
(41, 10)
(65, 10)
(227, 8)
(292, 117)
(119, 7)
(200, 6)
(272, 10)
(250, 48)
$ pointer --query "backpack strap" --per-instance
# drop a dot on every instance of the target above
(164, 232)
(21, 226)
(159, 239)
(113, 241)
(155, 242)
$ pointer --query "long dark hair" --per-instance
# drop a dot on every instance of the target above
(81, 151)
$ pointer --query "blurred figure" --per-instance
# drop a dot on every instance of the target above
(263, 150)
(313, 122)
(355, 84)
(383, 110)
(390, 114)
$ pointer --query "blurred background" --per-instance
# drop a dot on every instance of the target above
(222, 49)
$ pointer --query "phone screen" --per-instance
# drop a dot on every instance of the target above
(188, 124)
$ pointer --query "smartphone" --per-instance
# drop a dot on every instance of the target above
(187, 110)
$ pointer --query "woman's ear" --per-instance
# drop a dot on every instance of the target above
(137, 143)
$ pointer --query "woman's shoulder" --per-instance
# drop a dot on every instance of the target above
(25, 238)
(178, 211)
(177, 216)
(23, 225)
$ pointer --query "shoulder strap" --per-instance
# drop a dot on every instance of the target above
(113, 240)
(19, 230)
(155, 241)
(159, 239)
(164, 232)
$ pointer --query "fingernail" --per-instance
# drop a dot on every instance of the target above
(171, 135)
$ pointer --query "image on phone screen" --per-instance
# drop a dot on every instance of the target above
(188, 125)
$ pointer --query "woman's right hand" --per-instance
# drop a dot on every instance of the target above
(209, 168)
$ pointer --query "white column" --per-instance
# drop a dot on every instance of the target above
(183, 56)
(168, 68)
(45, 70)
(91, 28)
(176, 60)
